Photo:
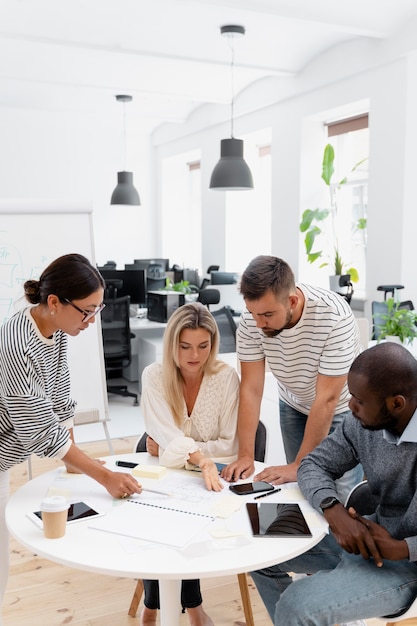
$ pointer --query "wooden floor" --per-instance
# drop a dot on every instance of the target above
(43, 593)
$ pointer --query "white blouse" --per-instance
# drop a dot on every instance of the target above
(211, 427)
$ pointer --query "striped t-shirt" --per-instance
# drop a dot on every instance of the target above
(34, 392)
(324, 341)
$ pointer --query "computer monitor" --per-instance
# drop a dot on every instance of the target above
(133, 284)
(224, 278)
(145, 263)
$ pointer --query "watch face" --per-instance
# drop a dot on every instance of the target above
(328, 502)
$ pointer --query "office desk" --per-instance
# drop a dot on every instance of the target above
(106, 553)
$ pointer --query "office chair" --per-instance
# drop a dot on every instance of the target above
(116, 333)
(260, 450)
(362, 500)
(227, 329)
(208, 296)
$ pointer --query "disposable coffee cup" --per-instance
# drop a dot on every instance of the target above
(54, 511)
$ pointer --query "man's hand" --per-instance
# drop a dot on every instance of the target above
(279, 474)
(388, 547)
(242, 468)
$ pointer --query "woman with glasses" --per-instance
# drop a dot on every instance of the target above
(36, 409)
(190, 403)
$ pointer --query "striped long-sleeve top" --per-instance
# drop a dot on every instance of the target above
(34, 392)
(324, 341)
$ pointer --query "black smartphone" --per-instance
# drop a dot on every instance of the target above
(244, 489)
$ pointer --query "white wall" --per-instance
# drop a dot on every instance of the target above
(46, 154)
(381, 76)
(58, 155)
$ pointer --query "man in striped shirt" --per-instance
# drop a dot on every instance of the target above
(309, 338)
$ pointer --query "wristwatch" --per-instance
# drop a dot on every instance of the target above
(327, 503)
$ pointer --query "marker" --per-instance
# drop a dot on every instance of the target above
(126, 464)
(268, 493)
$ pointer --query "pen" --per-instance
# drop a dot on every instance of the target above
(268, 493)
(126, 464)
(161, 493)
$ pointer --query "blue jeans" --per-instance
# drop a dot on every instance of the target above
(292, 424)
(343, 588)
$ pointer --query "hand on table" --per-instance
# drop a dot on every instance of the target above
(279, 474)
(210, 474)
(242, 468)
(121, 485)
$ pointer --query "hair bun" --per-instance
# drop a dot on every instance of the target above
(32, 291)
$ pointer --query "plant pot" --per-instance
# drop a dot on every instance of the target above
(394, 339)
(334, 283)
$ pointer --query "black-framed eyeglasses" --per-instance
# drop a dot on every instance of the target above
(88, 315)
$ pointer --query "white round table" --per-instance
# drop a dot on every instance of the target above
(235, 551)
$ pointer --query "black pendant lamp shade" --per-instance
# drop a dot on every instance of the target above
(125, 192)
(231, 172)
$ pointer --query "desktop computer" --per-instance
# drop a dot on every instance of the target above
(162, 304)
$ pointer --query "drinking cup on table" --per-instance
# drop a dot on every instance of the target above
(54, 511)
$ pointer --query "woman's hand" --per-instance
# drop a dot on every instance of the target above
(152, 447)
(210, 474)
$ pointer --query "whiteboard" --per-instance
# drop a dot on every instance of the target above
(32, 234)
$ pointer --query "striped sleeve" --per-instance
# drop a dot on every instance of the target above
(34, 392)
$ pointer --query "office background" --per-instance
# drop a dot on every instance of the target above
(65, 154)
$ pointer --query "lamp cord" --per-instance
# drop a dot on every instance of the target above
(232, 82)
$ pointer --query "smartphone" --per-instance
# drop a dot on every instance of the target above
(77, 511)
(244, 489)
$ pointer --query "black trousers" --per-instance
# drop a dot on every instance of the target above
(190, 594)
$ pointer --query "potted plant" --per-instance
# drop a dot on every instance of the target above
(312, 219)
(398, 323)
(183, 286)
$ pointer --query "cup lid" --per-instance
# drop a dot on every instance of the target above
(54, 503)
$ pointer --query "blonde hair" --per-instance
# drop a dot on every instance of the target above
(193, 316)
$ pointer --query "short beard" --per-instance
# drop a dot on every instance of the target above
(273, 332)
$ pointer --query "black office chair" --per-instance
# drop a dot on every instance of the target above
(116, 343)
(208, 296)
(361, 498)
(260, 449)
(227, 329)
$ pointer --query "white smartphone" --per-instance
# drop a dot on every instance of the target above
(77, 512)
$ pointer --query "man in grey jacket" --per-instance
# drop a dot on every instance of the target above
(365, 567)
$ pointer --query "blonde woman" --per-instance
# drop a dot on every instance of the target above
(190, 403)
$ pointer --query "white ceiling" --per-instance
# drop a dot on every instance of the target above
(75, 55)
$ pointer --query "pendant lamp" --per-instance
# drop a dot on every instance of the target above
(232, 171)
(125, 192)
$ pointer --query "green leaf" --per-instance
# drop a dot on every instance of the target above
(328, 160)
(314, 256)
(354, 276)
(310, 238)
(361, 223)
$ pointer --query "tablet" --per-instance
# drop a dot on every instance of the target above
(269, 519)
(77, 512)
